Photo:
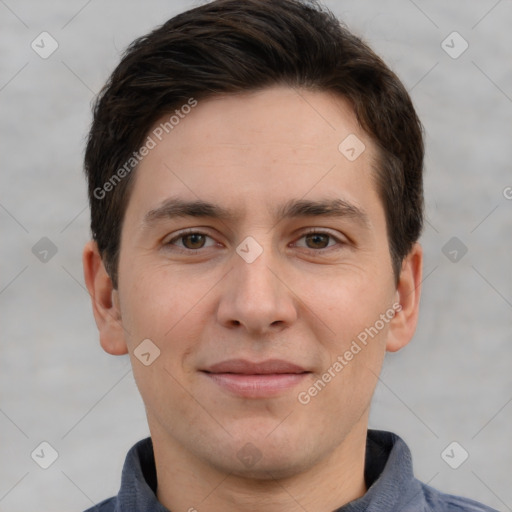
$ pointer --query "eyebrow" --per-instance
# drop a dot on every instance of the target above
(323, 208)
(337, 208)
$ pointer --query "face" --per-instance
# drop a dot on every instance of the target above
(254, 256)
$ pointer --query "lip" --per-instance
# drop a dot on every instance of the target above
(249, 379)
(243, 366)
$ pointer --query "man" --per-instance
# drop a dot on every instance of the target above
(255, 180)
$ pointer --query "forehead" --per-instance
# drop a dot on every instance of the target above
(274, 116)
(266, 146)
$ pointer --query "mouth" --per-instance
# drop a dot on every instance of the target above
(249, 379)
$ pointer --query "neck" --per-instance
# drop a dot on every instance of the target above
(190, 484)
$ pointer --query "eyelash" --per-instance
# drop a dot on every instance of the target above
(312, 231)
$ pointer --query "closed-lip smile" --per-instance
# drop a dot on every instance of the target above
(250, 379)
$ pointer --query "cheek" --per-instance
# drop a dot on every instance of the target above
(353, 336)
(156, 302)
(348, 380)
(170, 312)
(345, 304)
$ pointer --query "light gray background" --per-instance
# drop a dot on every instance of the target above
(452, 383)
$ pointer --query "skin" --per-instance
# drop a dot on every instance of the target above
(304, 300)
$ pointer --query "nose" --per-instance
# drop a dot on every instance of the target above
(256, 297)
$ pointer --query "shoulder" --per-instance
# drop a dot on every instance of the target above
(108, 505)
(441, 502)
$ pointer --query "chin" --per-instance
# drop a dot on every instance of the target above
(276, 467)
(270, 457)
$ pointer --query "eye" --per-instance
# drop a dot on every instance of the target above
(190, 240)
(318, 240)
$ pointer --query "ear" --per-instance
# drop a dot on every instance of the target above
(105, 301)
(408, 292)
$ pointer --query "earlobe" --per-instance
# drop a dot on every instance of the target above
(404, 323)
(105, 301)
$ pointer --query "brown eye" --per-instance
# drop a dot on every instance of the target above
(194, 241)
(317, 240)
(189, 242)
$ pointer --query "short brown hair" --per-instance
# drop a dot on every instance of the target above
(232, 46)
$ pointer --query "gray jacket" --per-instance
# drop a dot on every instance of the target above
(388, 474)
